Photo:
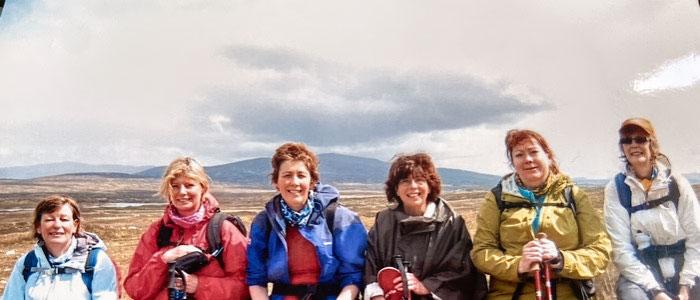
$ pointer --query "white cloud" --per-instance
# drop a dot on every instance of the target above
(674, 74)
(218, 122)
(139, 82)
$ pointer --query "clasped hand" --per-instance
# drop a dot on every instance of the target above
(537, 251)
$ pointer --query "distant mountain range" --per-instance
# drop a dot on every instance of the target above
(335, 168)
(41, 170)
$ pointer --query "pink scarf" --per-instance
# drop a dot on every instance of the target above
(188, 221)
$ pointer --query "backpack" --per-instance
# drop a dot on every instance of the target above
(583, 289)
(31, 264)
(213, 233)
(624, 194)
(649, 256)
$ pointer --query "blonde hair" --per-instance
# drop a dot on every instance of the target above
(183, 166)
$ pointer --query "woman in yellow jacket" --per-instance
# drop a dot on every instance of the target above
(533, 199)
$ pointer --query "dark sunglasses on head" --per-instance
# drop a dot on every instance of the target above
(636, 139)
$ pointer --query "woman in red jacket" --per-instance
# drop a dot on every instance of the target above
(183, 231)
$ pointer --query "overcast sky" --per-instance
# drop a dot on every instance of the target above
(141, 82)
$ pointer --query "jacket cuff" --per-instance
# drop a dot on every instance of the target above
(373, 290)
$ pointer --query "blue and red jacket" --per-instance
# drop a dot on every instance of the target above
(341, 253)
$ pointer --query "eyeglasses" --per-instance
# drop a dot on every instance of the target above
(637, 139)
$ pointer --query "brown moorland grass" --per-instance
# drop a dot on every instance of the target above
(121, 226)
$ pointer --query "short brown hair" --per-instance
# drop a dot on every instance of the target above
(418, 165)
(515, 136)
(183, 166)
(51, 204)
(295, 152)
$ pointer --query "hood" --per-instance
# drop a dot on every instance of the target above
(325, 194)
(77, 253)
(556, 184)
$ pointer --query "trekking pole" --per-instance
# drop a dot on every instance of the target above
(536, 272)
(547, 274)
(401, 264)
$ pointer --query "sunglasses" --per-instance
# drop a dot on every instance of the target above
(637, 139)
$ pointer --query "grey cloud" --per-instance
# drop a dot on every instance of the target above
(348, 106)
(268, 58)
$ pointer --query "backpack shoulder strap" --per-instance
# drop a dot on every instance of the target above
(673, 191)
(569, 196)
(90, 263)
(329, 214)
(624, 194)
(214, 232)
(164, 234)
(30, 261)
(497, 192)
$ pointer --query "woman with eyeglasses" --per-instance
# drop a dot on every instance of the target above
(428, 234)
(653, 218)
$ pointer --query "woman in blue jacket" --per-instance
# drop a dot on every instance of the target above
(67, 262)
(303, 242)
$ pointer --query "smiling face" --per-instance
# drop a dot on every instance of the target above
(413, 193)
(637, 154)
(56, 229)
(531, 163)
(293, 182)
(186, 195)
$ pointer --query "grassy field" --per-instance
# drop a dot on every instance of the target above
(121, 227)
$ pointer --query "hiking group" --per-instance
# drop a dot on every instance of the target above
(538, 236)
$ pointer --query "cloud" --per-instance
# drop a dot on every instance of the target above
(297, 97)
(674, 74)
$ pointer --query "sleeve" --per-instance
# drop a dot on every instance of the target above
(372, 255)
(233, 284)
(456, 265)
(148, 274)
(689, 214)
(14, 289)
(487, 254)
(104, 281)
(592, 257)
(257, 252)
(349, 245)
(617, 223)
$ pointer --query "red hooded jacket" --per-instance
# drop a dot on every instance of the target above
(148, 274)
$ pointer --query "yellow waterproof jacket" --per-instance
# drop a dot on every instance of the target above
(499, 239)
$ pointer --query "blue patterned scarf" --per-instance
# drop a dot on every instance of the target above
(300, 218)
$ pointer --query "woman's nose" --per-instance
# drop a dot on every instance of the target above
(182, 189)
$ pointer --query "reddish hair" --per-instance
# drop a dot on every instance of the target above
(516, 136)
(51, 204)
(418, 165)
(295, 152)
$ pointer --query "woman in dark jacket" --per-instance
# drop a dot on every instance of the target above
(426, 232)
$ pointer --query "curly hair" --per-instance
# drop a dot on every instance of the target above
(418, 165)
(295, 152)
